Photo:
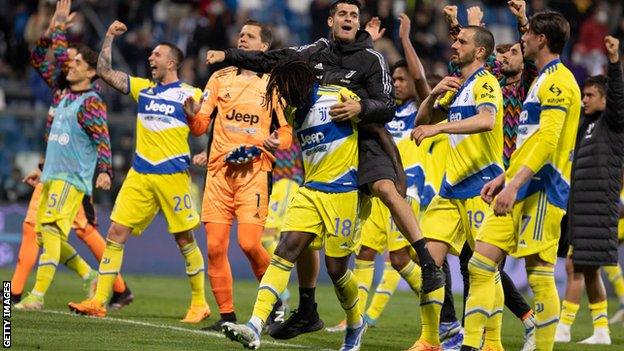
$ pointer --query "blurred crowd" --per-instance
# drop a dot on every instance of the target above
(199, 25)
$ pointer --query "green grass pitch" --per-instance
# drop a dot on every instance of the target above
(151, 322)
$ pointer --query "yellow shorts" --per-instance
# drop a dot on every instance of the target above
(282, 193)
(332, 217)
(534, 226)
(142, 195)
(379, 232)
(453, 221)
(59, 203)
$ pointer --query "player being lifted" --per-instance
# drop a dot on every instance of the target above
(158, 179)
(472, 104)
(349, 60)
(530, 198)
(234, 98)
(77, 142)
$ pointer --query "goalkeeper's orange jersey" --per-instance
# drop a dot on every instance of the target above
(241, 117)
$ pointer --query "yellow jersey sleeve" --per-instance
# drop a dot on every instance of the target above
(137, 84)
(348, 93)
(487, 91)
(555, 101)
(443, 102)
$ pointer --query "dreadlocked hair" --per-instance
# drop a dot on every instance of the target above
(291, 81)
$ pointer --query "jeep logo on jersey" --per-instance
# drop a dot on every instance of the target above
(396, 125)
(455, 117)
(245, 117)
(156, 107)
(314, 138)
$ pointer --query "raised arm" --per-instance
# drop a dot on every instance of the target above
(259, 61)
(414, 65)
(116, 79)
(615, 90)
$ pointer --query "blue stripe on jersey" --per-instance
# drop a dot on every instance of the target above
(458, 113)
(471, 186)
(160, 107)
(549, 180)
(426, 195)
(346, 183)
(531, 113)
(415, 177)
(174, 165)
(324, 134)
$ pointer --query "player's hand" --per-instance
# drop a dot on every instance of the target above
(348, 109)
(492, 188)
(272, 142)
(116, 29)
(450, 13)
(518, 8)
(215, 56)
(61, 16)
(475, 16)
(504, 201)
(373, 27)
(613, 48)
(423, 132)
(103, 181)
(201, 159)
(33, 178)
(404, 28)
(191, 107)
(446, 84)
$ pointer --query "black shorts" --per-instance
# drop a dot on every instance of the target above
(374, 162)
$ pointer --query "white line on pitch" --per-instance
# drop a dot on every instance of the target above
(170, 327)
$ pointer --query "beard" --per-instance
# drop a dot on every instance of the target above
(508, 72)
(465, 60)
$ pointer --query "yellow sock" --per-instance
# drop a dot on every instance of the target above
(480, 299)
(269, 243)
(110, 265)
(494, 324)
(49, 258)
(568, 312)
(273, 283)
(412, 275)
(347, 292)
(542, 282)
(72, 260)
(195, 272)
(363, 272)
(599, 314)
(614, 273)
(383, 293)
(430, 307)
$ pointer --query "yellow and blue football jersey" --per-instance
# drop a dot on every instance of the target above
(474, 159)
(412, 156)
(329, 149)
(547, 134)
(162, 130)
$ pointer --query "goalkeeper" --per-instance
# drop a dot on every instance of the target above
(244, 135)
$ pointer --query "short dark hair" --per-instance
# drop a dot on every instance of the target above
(503, 48)
(555, 28)
(176, 53)
(334, 6)
(88, 55)
(599, 81)
(483, 38)
(266, 36)
(399, 64)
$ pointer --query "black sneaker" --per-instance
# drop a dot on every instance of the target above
(468, 348)
(433, 278)
(15, 298)
(227, 317)
(119, 300)
(299, 322)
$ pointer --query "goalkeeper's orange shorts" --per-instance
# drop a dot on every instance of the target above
(236, 191)
(84, 217)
